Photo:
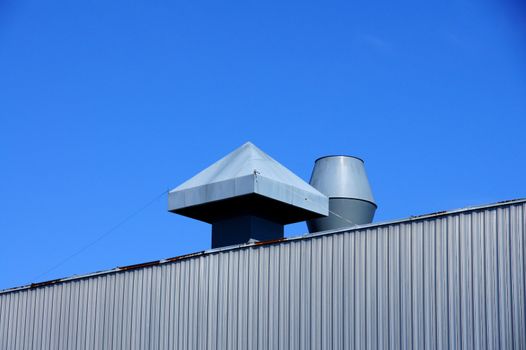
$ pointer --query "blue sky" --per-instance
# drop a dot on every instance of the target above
(104, 105)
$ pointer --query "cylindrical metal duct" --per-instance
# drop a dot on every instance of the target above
(343, 179)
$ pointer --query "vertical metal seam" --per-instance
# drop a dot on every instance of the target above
(95, 309)
(343, 304)
(17, 317)
(400, 284)
(471, 229)
(238, 297)
(497, 278)
(77, 316)
(227, 306)
(387, 238)
(366, 291)
(99, 325)
(257, 293)
(278, 278)
(11, 315)
(138, 314)
(14, 319)
(446, 228)
(322, 290)
(2, 320)
(186, 316)
(25, 333)
(355, 340)
(64, 319)
(249, 258)
(206, 333)
(12, 323)
(41, 317)
(377, 233)
(86, 314)
(459, 264)
(103, 316)
(269, 292)
(310, 294)
(423, 283)
(289, 295)
(5, 326)
(523, 234)
(152, 306)
(332, 327)
(32, 314)
(112, 318)
(122, 308)
(131, 301)
(300, 253)
(411, 257)
(484, 238)
(93, 294)
(217, 305)
(510, 251)
(161, 297)
(435, 284)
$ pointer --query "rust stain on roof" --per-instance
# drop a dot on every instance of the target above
(45, 283)
(272, 241)
(186, 256)
(138, 266)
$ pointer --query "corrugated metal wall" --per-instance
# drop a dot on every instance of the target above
(455, 281)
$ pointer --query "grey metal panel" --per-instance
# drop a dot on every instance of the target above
(450, 281)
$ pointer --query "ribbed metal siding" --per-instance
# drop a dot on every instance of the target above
(455, 281)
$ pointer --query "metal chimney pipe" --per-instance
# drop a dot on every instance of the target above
(343, 179)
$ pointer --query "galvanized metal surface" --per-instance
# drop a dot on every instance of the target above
(244, 171)
(448, 281)
(341, 177)
(344, 180)
(343, 212)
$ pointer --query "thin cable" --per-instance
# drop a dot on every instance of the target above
(105, 234)
(341, 217)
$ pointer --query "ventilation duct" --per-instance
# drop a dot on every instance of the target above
(343, 179)
(247, 196)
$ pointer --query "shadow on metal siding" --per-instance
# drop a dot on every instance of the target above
(455, 281)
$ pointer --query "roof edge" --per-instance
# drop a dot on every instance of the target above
(256, 244)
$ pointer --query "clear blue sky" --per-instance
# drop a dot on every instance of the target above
(105, 104)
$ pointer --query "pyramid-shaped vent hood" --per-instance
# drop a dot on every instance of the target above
(247, 195)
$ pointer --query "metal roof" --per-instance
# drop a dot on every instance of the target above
(256, 244)
(448, 280)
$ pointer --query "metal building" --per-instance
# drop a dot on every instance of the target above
(450, 280)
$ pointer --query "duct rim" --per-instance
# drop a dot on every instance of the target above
(340, 156)
(355, 199)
